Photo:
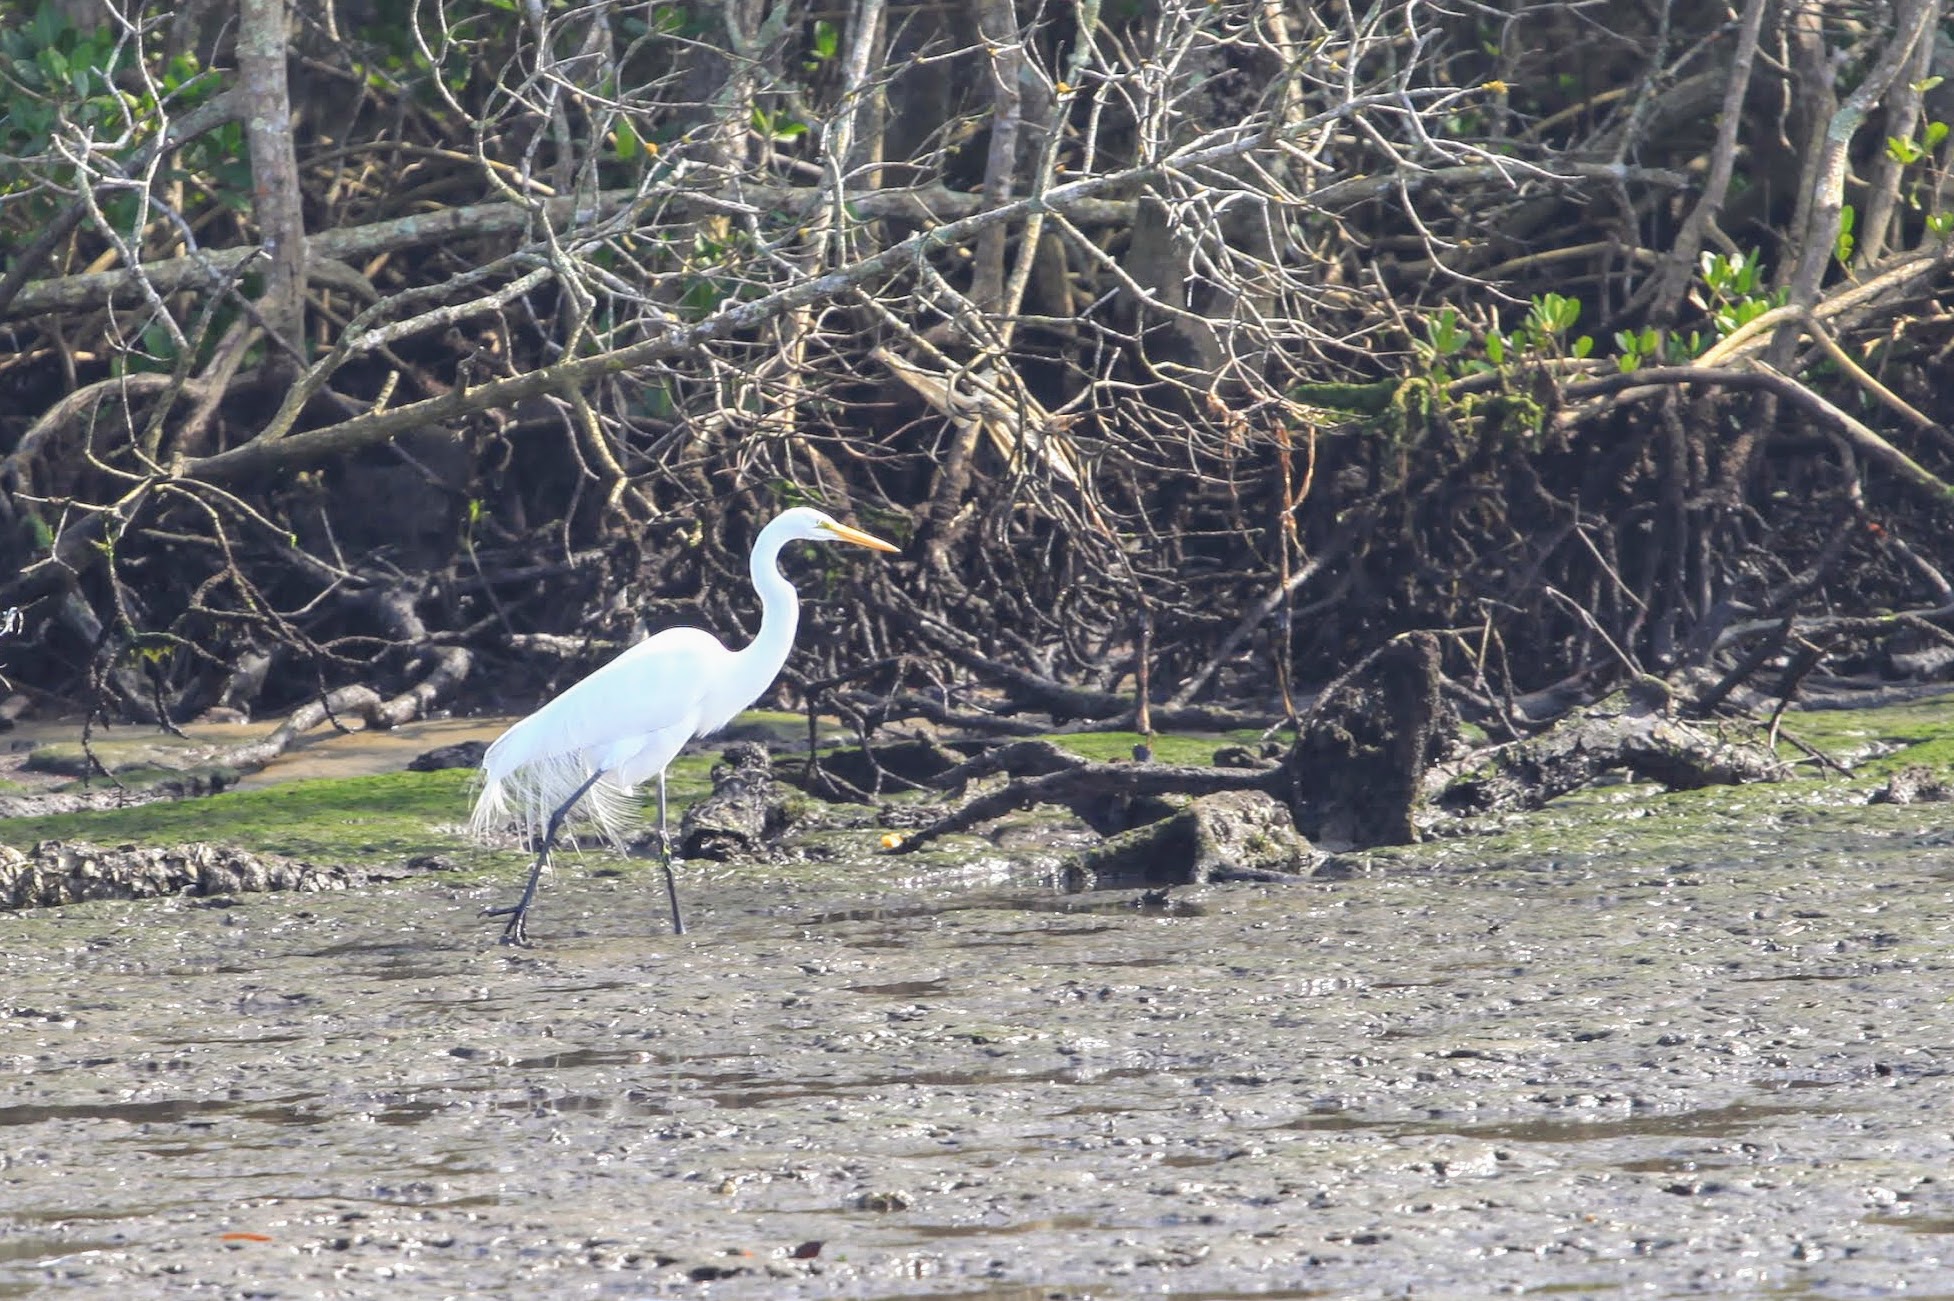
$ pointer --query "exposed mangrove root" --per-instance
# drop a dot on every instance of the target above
(1377, 752)
(1631, 730)
(860, 773)
(915, 704)
(1018, 758)
(1029, 692)
(355, 701)
(445, 666)
(1352, 778)
(448, 668)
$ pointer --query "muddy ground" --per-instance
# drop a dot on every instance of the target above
(1646, 1045)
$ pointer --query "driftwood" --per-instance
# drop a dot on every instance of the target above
(1631, 729)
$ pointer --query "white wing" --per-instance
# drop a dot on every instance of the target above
(626, 721)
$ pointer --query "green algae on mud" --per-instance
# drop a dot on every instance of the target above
(1168, 747)
(374, 820)
(342, 820)
(1875, 742)
(1764, 818)
(369, 822)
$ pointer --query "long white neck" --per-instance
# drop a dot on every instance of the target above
(780, 615)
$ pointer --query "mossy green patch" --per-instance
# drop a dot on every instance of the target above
(1876, 742)
(350, 820)
(771, 727)
(1766, 822)
(333, 820)
(1196, 748)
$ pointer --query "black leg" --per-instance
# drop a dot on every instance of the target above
(517, 931)
(665, 852)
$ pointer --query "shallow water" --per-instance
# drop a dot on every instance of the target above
(325, 751)
(1691, 1063)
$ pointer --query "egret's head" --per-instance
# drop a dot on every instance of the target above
(804, 523)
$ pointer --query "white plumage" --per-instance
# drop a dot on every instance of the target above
(590, 748)
(628, 720)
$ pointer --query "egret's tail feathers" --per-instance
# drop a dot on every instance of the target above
(491, 810)
(530, 795)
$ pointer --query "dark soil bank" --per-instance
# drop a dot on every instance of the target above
(1707, 1058)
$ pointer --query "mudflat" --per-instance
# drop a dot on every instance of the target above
(1682, 1044)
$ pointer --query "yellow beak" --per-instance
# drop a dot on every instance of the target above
(846, 534)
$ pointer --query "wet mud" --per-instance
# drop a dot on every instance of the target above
(1691, 1053)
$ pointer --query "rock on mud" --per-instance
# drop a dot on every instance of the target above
(462, 754)
(1228, 836)
(58, 872)
(744, 812)
(1914, 784)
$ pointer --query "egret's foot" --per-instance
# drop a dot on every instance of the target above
(517, 931)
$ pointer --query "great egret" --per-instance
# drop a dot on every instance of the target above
(624, 723)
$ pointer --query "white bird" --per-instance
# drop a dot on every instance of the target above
(626, 722)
